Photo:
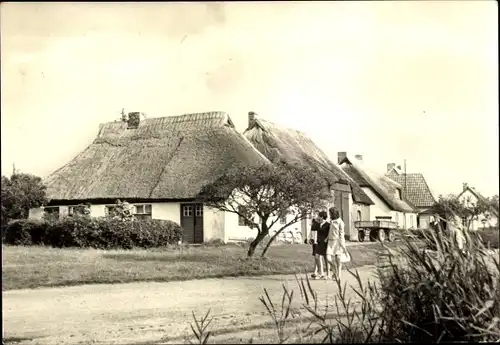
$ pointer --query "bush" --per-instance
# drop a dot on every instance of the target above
(447, 295)
(103, 233)
(489, 237)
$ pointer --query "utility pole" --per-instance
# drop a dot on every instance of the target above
(405, 179)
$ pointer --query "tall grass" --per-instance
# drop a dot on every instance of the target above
(450, 293)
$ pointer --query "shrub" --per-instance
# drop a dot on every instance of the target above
(489, 237)
(103, 233)
(25, 232)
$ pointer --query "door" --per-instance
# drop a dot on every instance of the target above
(342, 204)
(192, 223)
(346, 215)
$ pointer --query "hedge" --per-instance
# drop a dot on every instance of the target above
(102, 233)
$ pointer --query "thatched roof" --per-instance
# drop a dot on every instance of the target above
(281, 144)
(164, 158)
(383, 186)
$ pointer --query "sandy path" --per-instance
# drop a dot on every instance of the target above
(140, 312)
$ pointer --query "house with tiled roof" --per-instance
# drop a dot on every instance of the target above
(470, 195)
(415, 191)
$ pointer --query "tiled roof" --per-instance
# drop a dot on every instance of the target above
(417, 190)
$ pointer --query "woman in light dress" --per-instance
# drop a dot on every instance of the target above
(335, 242)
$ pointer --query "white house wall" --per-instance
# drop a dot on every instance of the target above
(166, 211)
(380, 208)
(214, 222)
(469, 197)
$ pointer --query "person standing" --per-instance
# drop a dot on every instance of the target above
(335, 242)
(322, 243)
(313, 236)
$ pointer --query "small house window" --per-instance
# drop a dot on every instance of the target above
(359, 215)
(143, 211)
(51, 212)
(108, 210)
(198, 211)
(242, 221)
(187, 211)
(71, 210)
(283, 220)
(398, 194)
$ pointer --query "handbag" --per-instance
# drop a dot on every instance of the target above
(345, 256)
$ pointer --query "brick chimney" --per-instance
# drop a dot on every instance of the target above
(390, 166)
(251, 118)
(134, 119)
(341, 156)
(465, 185)
(359, 157)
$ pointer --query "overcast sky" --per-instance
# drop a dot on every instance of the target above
(414, 80)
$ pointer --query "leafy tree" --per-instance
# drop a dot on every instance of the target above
(449, 206)
(20, 193)
(122, 210)
(494, 202)
(271, 192)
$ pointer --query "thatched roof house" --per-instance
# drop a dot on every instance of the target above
(168, 158)
(279, 143)
(288, 145)
(159, 165)
(386, 189)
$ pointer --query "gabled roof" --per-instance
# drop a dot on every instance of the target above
(381, 185)
(279, 143)
(415, 187)
(480, 197)
(164, 158)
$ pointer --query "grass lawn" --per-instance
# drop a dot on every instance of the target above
(32, 267)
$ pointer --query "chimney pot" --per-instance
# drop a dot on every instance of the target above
(341, 156)
(359, 157)
(251, 118)
(390, 166)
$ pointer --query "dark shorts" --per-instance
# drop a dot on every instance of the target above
(321, 248)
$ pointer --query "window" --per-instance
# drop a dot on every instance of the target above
(242, 221)
(398, 194)
(71, 210)
(198, 211)
(51, 212)
(187, 211)
(283, 220)
(359, 215)
(108, 210)
(143, 211)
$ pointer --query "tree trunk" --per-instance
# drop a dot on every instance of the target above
(258, 239)
(270, 241)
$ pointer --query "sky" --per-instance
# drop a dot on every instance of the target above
(391, 80)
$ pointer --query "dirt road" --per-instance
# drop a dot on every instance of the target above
(142, 312)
